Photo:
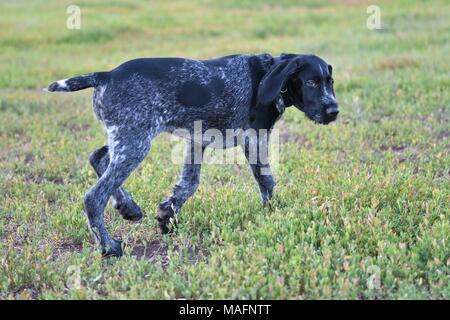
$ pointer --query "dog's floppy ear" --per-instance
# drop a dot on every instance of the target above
(274, 81)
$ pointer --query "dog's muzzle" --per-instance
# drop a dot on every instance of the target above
(331, 111)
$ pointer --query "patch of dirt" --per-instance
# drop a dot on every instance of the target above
(395, 148)
(151, 250)
(63, 248)
(157, 250)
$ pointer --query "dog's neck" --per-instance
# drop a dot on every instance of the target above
(267, 117)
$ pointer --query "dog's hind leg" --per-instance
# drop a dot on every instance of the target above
(128, 148)
(121, 199)
(184, 188)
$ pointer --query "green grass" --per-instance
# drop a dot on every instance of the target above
(368, 193)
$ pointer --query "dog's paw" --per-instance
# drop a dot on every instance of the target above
(130, 211)
(166, 217)
(114, 249)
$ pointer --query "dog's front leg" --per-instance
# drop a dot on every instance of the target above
(257, 153)
(184, 188)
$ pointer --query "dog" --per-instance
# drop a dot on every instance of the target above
(144, 97)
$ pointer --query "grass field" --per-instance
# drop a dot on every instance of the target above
(367, 198)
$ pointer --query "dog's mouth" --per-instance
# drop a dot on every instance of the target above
(322, 115)
(321, 118)
(319, 115)
(329, 119)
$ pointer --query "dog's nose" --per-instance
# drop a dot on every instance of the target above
(332, 111)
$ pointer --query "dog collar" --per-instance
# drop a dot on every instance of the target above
(279, 104)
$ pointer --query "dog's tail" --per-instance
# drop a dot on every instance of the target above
(78, 83)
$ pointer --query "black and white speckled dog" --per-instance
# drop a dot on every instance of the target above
(144, 97)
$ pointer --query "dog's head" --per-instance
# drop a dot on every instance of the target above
(307, 81)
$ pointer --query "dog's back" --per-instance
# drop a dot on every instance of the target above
(172, 93)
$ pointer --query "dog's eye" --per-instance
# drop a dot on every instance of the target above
(331, 80)
(312, 83)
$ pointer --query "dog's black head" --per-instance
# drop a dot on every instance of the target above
(307, 82)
